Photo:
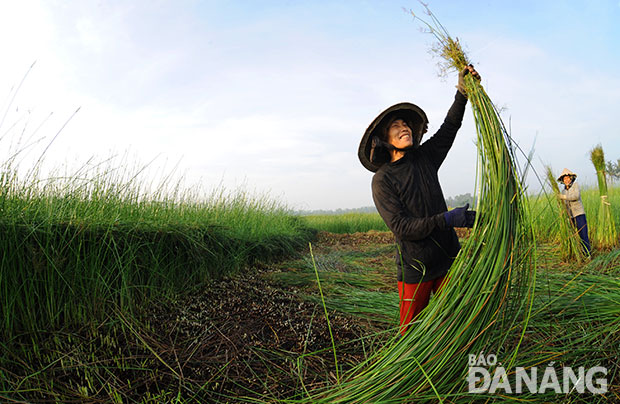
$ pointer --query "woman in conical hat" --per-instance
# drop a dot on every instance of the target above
(572, 197)
(408, 196)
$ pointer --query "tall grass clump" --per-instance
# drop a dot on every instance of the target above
(488, 290)
(605, 235)
(75, 246)
(568, 240)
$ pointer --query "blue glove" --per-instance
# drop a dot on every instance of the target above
(460, 217)
(471, 218)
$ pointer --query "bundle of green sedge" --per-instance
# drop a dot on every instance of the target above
(605, 235)
(569, 243)
(488, 290)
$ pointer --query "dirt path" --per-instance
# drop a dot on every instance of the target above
(264, 332)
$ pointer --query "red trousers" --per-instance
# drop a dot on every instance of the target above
(413, 298)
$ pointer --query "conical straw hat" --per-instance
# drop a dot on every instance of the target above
(568, 172)
(415, 117)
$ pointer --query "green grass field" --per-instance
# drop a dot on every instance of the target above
(346, 223)
(75, 248)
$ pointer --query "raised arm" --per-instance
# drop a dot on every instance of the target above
(439, 144)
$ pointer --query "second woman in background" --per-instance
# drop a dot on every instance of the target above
(571, 195)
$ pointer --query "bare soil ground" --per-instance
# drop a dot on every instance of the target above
(248, 336)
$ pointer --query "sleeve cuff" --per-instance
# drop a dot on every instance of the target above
(440, 220)
(460, 97)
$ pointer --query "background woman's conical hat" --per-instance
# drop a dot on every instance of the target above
(568, 172)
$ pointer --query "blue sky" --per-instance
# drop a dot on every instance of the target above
(274, 96)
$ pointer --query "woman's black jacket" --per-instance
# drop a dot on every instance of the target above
(408, 197)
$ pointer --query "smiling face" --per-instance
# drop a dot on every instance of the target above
(567, 180)
(399, 134)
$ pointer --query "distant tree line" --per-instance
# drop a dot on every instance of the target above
(460, 200)
(365, 209)
(452, 202)
(613, 170)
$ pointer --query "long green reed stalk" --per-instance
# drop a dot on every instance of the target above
(487, 291)
(331, 335)
(605, 235)
(569, 243)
